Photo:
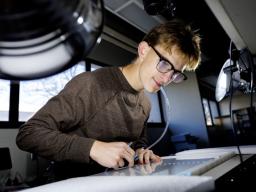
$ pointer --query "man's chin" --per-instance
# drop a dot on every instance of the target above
(153, 90)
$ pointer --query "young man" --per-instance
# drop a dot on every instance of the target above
(92, 120)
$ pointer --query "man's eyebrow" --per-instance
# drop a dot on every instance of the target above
(163, 57)
(166, 59)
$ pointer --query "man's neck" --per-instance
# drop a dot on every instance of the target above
(131, 73)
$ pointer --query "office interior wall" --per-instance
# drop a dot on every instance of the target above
(186, 113)
(114, 48)
(239, 101)
(110, 54)
(21, 162)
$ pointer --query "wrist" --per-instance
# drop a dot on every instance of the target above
(93, 150)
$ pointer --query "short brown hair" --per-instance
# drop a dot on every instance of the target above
(176, 32)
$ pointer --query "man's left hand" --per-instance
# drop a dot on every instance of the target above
(147, 156)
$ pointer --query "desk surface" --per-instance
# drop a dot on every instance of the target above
(160, 180)
(221, 169)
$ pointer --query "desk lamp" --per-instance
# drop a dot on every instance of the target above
(39, 38)
(240, 71)
(237, 73)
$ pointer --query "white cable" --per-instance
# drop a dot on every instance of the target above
(167, 119)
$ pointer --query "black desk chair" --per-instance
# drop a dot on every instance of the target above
(5, 166)
(5, 159)
(7, 183)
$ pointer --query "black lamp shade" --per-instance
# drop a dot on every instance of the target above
(223, 82)
(39, 38)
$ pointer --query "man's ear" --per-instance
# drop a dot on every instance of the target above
(143, 49)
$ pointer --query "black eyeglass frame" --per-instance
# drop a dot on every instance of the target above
(175, 71)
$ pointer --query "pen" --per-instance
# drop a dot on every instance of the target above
(130, 144)
(136, 157)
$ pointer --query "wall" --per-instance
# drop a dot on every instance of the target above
(239, 102)
(21, 162)
(117, 56)
(186, 109)
(114, 48)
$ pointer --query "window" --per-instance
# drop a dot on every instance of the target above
(94, 67)
(4, 100)
(207, 112)
(34, 94)
(214, 109)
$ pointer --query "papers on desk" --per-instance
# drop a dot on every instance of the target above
(130, 184)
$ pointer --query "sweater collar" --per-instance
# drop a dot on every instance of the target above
(123, 81)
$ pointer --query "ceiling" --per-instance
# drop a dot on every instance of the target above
(238, 20)
(215, 41)
(133, 12)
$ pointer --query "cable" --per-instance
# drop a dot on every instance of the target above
(166, 126)
(249, 68)
(251, 63)
(234, 58)
(167, 122)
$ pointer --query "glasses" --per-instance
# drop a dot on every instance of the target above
(165, 66)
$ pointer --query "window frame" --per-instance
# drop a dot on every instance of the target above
(14, 122)
(210, 111)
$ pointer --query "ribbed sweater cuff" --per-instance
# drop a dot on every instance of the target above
(81, 149)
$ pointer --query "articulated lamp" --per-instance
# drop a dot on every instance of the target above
(223, 82)
(239, 71)
(39, 38)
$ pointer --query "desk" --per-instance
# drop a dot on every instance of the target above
(145, 179)
(129, 184)
(231, 174)
(139, 178)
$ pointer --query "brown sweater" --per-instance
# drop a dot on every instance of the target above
(99, 105)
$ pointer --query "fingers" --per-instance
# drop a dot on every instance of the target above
(128, 157)
(149, 168)
(112, 154)
(146, 156)
(124, 153)
(121, 163)
(129, 150)
(141, 158)
(156, 158)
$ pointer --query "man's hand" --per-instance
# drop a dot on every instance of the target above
(112, 155)
(149, 168)
(146, 156)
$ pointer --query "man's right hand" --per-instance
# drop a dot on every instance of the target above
(113, 154)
